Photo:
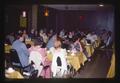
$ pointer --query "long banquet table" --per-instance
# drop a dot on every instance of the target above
(75, 61)
(90, 50)
(7, 48)
(14, 75)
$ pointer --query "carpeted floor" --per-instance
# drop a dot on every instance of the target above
(98, 66)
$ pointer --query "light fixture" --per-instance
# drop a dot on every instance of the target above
(24, 14)
(46, 13)
(101, 5)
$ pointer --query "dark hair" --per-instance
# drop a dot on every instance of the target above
(83, 36)
(37, 41)
(59, 39)
(88, 41)
(76, 37)
(7, 41)
(109, 33)
(18, 35)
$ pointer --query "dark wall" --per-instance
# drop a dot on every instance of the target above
(48, 22)
(71, 20)
(57, 19)
(12, 17)
(91, 20)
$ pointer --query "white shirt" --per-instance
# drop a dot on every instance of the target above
(95, 37)
(36, 58)
(92, 38)
(62, 53)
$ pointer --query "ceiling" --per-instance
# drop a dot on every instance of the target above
(77, 6)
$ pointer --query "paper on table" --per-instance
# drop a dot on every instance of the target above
(10, 70)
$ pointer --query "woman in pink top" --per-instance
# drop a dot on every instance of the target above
(46, 72)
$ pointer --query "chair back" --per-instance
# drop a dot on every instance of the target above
(35, 57)
(34, 74)
(59, 61)
(14, 56)
(88, 41)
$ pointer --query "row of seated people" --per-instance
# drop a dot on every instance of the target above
(37, 55)
(26, 56)
(105, 36)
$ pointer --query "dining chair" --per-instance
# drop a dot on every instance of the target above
(16, 64)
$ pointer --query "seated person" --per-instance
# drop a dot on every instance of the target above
(66, 44)
(70, 36)
(59, 63)
(51, 42)
(90, 35)
(25, 34)
(91, 39)
(108, 40)
(35, 56)
(22, 51)
(77, 45)
(85, 42)
(38, 56)
(94, 39)
(62, 33)
(10, 37)
(31, 34)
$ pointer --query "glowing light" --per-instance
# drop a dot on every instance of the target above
(46, 12)
(24, 14)
(101, 5)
